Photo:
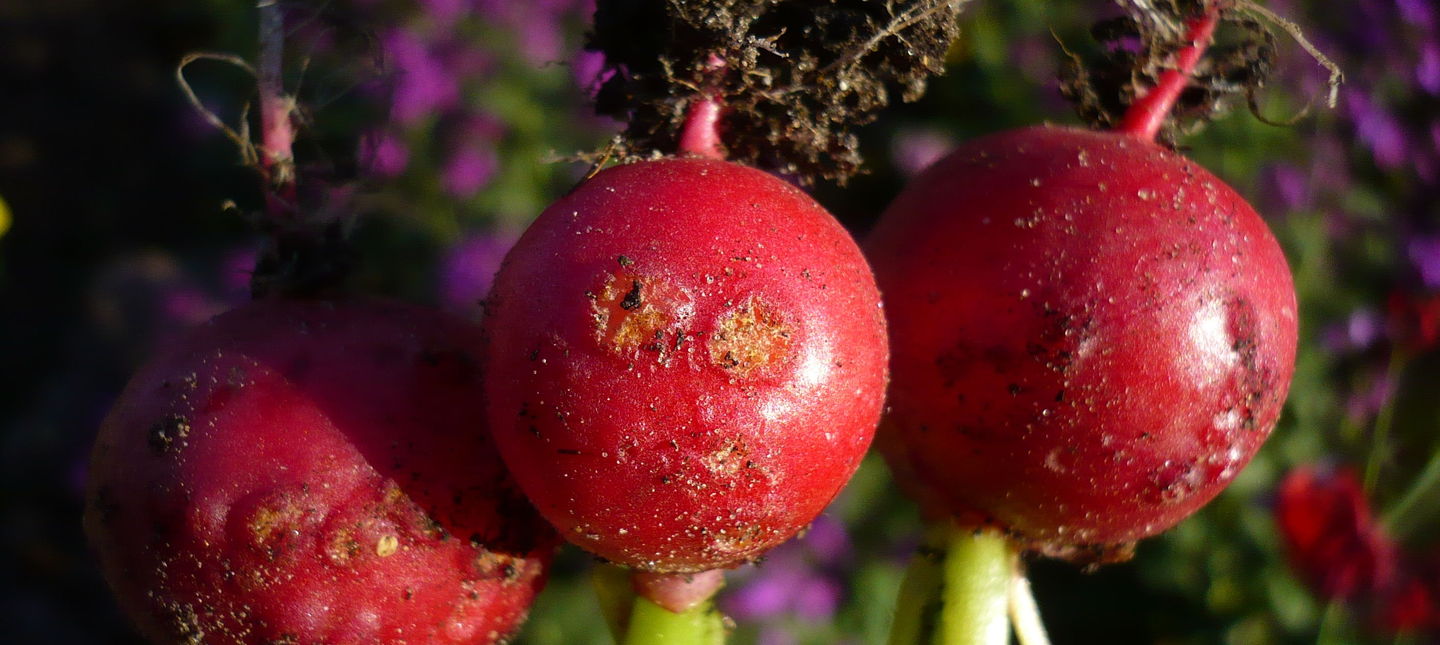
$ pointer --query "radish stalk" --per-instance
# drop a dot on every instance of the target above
(976, 594)
(675, 608)
(616, 596)
(701, 133)
(958, 589)
(277, 131)
(651, 624)
(1148, 113)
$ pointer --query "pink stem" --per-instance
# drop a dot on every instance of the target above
(700, 135)
(277, 131)
(678, 592)
(1149, 112)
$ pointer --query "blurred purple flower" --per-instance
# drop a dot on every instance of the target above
(776, 635)
(914, 150)
(1420, 13)
(797, 579)
(469, 268)
(1427, 71)
(817, 598)
(1424, 254)
(384, 154)
(235, 270)
(468, 170)
(827, 541)
(444, 12)
(1287, 185)
(1378, 129)
(423, 86)
(1368, 401)
(1358, 332)
(586, 68)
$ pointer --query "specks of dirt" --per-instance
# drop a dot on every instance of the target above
(268, 525)
(750, 337)
(185, 622)
(730, 458)
(342, 547)
(632, 297)
(740, 539)
(494, 565)
(796, 76)
(1088, 556)
(634, 313)
(167, 432)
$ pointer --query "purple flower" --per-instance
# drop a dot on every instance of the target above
(1358, 332)
(468, 270)
(235, 271)
(1427, 71)
(586, 68)
(1368, 401)
(384, 154)
(423, 86)
(1378, 129)
(795, 579)
(468, 170)
(1287, 184)
(914, 150)
(1424, 254)
(444, 12)
(1420, 13)
(776, 635)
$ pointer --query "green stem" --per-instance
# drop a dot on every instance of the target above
(977, 588)
(1384, 420)
(617, 599)
(1402, 517)
(650, 624)
(917, 610)
(957, 590)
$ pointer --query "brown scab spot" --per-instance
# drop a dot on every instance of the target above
(739, 539)
(342, 547)
(273, 527)
(166, 432)
(730, 458)
(750, 337)
(634, 313)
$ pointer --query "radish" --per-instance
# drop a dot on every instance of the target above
(1091, 337)
(309, 471)
(687, 361)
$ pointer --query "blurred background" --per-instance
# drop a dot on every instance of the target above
(125, 217)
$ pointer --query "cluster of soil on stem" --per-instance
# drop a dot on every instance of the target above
(792, 77)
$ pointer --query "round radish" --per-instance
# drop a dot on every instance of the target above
(1091, 334)
(687, 362)
(301, 472)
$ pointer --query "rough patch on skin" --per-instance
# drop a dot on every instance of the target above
(751, 337)
(271, 525)
(742, 539)
(633, 312)
(731, 458)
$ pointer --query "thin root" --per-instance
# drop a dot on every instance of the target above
(1337, 77)
(241, 138)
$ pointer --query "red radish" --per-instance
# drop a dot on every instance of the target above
(687, 361)
(300, 472)
(1092, 335)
